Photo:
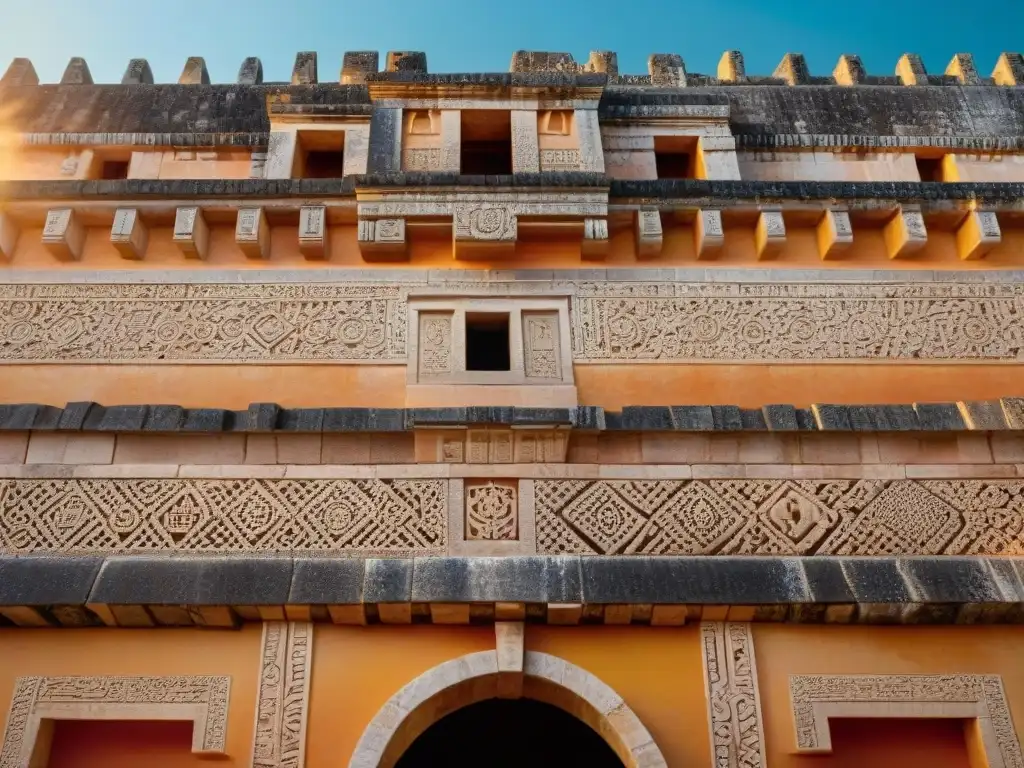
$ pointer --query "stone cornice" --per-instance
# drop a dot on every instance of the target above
(985, 416)
(223, 591)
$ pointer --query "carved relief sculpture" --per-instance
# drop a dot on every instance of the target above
(285, 670)
(491, 511)
(734, 706)
(435, 344)
(542, 357)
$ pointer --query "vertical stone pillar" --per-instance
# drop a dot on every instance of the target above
(357, 149)
(525, 142)
(385, 141)
(718, 157)
(591, 151)
(286, 666)
(281, 151)
(451, 140)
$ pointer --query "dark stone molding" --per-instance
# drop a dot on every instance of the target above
(70, 591)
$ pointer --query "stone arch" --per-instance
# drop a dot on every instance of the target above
(475, 677)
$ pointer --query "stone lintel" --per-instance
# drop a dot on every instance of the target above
(138, 72)
(76, 73)
(649, 237)
(910, 70)
(708, 234)
(978, 234)
(194, 72)
(849, 70)
(63, 234)
(596, 243)
(484, 231)
(9, 232)
(313, 232)
(1009, 69)
(383, 239)
(129, 234)
(769, 234)
(905, 233)
(834, 234)
(252, 233)
(191, 232)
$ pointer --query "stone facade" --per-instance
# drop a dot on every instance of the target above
(615, 379)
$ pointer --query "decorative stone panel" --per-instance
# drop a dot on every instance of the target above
(816, 698)
(286, 667)
(491, 511)
(779, 517)
(542, 355)
(222, 516)
(38, 701)
(733, 696)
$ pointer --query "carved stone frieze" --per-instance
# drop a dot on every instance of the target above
(218, 516)
(201, 699)
(815, 698)
(153, 323)
(285, 673)
(559, 160)
(780, 517)
(734, 702)
(491, 511)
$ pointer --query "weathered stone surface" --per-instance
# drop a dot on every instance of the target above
(76, 73)
(406, 61)
(138, 72)
(194, 72)
(123, 418)
(780, 418)
(388, 581)
(326, 581)
(165, 418)
(251, 72)
(262, 417)
(304, 71)
(504, 579)
(876, 580)
(44, 581)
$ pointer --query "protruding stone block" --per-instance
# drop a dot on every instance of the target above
(542, 61)
(905, 234)
(667, 69)
(509, 643)
(356, 65)
(525, 141)
(194, 72)
(138, 73)
(910, 70)
(1009, 69)
(835, 234)
(251, 72)
(63, 234)
(76, 73)
(978, 234)
(731, 68)
(406, 61)
(708, 234)
(304, 70)
(793, 69)
(649, 236)
(769, 234)
(9, 231)
(191, 232)
(596, 244)
(961, 66)
(313, 242)
(486, 230)
(252, 233)
(849, 70)
(20, 72)
(129, 234)
(382, 239)
(605, 62)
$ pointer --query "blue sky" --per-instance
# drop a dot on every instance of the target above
(480, 35)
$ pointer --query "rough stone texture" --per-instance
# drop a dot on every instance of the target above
(385, 141)
(47, 580)
(194, 72)
(76, 73)
(406, 61)
(137, 73)
(304, 71)
(251, 72)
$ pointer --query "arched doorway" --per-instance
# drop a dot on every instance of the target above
(509, 733)
(474, 678)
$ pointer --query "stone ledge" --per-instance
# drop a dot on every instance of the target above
(66, 591)
(982, 416)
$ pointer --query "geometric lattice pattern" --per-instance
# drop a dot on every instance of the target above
(780, 517)
(218, 516)
(154, 323)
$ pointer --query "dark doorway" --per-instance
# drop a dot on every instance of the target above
(509, 733)
(487, 342)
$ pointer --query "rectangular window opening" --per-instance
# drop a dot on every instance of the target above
(486, 142)
(114, 169)
(673, 165)
(487, 342)
(325, 164)
(929, 168)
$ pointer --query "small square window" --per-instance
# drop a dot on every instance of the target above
(673, 165)
(325, 164)
(487, 342)
(114, 169)
(929, 168)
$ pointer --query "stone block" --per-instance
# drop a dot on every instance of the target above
(831, 417)
(708, 234)
(20, 73)
(388, 580)
(793, 70)
(74, 415)
(262, 417)
(647, 418)
(1013, 411)
(834, 234)
(692, 418)
(950, 580)
(382, 239)
(313, 232)
(944, 417)
(726, 418)
(978, 234)
(849, 70)
(826, 580)
(780, 418)
(129, 234)
(406, 61)
(489, 579)
(875, 580)
(13, 447)
(191, 233)
(983, 414)
(304, 69)
(194, 72)
(910, 70)
(251, 72)
(63, 234)
(731, 68)
(252, 233)
(1009, 69)
(649, 237)
(57, 448)
(138, 72)
(302, 420)
(769, 234)
(76, 73)
(44, 581)
(961, 66)
(667, 69)
(9, 232)
(326, 581)
(123, 418)
(538, 416)
(596, 244)
(205, 420)
(356, 65)
(164, 418)
(905, 234)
